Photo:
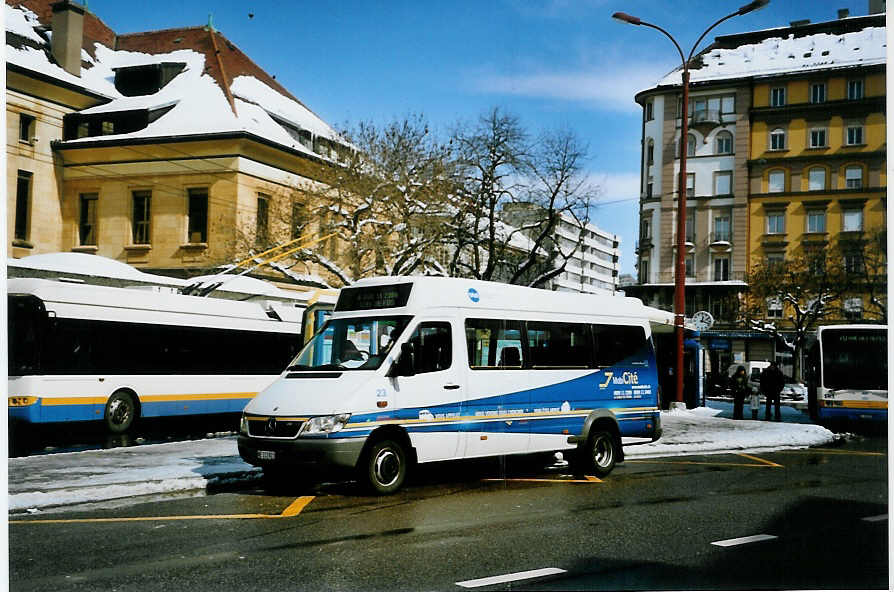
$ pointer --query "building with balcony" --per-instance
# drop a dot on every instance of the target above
(770, 116)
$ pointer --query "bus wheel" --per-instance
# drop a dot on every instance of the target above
(385, 467)
(121, 410)
(601, 452)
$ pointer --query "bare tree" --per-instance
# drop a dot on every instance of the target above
(514, 194)
(799, 291)
(864, 270)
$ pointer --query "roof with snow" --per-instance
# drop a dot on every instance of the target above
(847, 42)
(193, 102)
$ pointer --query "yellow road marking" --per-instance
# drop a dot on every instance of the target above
(290, 512)
(760, 460)
(828, 451)
(586, 479)
(692, 462)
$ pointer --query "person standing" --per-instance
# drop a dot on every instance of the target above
(739, 383)
(755, 402)
(772, 382)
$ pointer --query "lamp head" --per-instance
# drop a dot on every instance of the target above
(623, 17)
(753, 6)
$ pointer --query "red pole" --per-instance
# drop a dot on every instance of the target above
(680, 275)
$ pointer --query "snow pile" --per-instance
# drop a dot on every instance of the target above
(102, 475)
(698, 431)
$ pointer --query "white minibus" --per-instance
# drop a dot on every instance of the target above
(421, 369)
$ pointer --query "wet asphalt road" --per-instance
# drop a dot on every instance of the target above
(798, 519)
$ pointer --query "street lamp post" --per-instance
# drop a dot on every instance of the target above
(680, 262)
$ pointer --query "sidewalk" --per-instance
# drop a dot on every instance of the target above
(49, 481)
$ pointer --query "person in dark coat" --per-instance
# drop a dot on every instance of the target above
(739, 384)
(772, 382)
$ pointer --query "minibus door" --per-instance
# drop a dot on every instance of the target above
(429, 390)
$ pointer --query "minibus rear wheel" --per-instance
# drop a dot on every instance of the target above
(601, 452)
(384, 467)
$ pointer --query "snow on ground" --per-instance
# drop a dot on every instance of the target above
(47, 481)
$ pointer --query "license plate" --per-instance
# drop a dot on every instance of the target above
(266, 455)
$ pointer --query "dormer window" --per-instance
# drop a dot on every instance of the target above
(148, 79)
(87, 125)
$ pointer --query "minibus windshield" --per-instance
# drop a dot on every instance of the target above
(351, 344)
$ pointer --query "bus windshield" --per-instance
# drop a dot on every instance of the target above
(856, 359)
(350, 344)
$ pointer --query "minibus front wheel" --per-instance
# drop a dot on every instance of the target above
(384, 466)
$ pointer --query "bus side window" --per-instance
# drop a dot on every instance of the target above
(432, 344)
(494, 343)
(617, 343)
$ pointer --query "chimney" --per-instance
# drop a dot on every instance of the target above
(877, 6)
(68, 35)
(843, 13)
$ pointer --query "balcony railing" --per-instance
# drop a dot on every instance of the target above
(667, 277)
(706, 116)
(721, 236)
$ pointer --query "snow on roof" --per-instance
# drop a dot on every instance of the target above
(200, 105)
(789, 54)
(91, 265)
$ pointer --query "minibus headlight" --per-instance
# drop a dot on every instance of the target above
(325, 424)
(243, 425)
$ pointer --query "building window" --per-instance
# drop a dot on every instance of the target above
(853, 263)
(690, 183)
(776, 182)
(299, 218)
(722, 228)
(816, 179)
(690, 265)
(817, 138)
(853, 177)
(26, 127)
(721, 269)
(774, 308)
(690, 145)
(724, 143)
(775, 260)
(650, 153)
(853, 309)
(649, 189)
(775, 222)
(817, 264)
(818, 93)
(141, 217)
(816, 221)
(723, 183)
(777, 96)
(23, 205)
(852, 220)
(87, 219)
(728, 104)
(197, 225)
(854, 89)
(717, 305)
(644, 271)
(645, 229)
(261, 220)
(854, 134)
(650, 114)
(777, 139)
(690, 227)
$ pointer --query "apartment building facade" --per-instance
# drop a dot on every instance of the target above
(742, 176)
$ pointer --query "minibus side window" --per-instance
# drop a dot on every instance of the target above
(617, 343)
(559, 345)
(494, 344)
(432, 345)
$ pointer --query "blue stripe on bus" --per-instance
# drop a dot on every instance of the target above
(39, 413)
(852, 413)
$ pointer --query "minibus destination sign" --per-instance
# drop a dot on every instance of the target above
(372, 297)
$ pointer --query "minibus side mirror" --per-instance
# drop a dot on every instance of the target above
(406, 363)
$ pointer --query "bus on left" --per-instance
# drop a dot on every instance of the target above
(83, 352)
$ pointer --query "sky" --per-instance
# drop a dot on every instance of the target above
(38, 482)
(555, 64)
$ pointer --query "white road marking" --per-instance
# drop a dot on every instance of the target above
(878, 518)
(513, 577)
(744, 540)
